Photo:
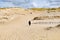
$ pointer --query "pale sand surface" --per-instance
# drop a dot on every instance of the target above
(18, 29)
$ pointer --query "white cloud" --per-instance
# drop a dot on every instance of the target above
(29, 3)
(34, 4)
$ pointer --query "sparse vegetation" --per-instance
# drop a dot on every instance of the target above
(38, 9)
(48, 9)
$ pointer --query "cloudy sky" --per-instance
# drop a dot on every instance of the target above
(30, 3)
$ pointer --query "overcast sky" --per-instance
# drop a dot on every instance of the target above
(30, 3)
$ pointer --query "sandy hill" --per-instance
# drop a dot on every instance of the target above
(8, 14)
(18, 27)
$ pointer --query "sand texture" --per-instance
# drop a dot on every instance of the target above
(14, 25)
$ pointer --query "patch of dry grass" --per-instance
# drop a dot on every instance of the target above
(43, 9)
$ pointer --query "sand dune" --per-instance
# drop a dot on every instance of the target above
(19, 29)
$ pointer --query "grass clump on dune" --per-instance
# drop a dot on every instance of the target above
(38, 9)
(43, 9)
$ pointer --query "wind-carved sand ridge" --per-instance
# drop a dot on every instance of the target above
(46, 17)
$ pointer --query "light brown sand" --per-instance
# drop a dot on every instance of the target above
(18, 29)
